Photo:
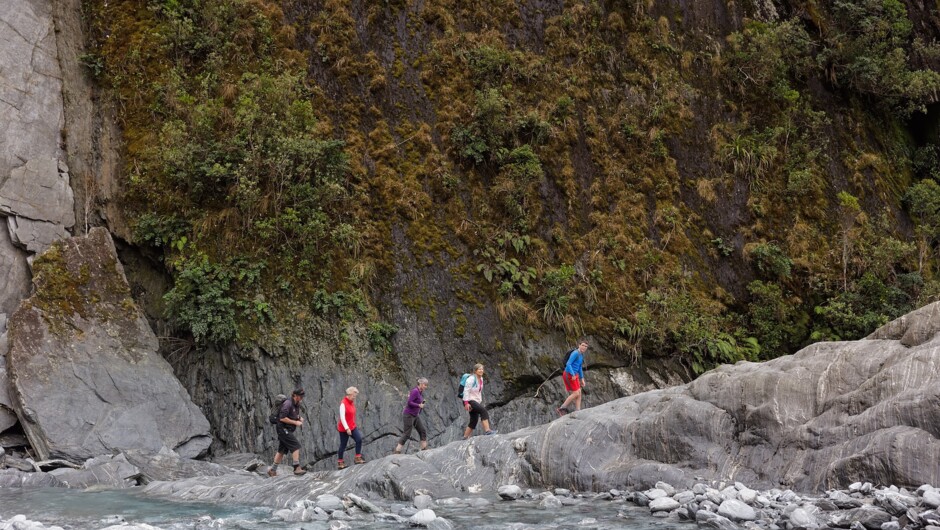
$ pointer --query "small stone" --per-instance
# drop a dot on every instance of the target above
(551, 502)
(684, 497)
(932, 498)
(747, 495)
(424, 517)
(655, 493)
(423, 501)
(363, 504)
(614, 492)
(714, 496)
(670, 491)
(330, 503)
(736, 510)
(706, 519)
(663, 504)
(562, 492)
(509, 492)
(640, 499)
(699, 489)
(891, 525)
(729, 493)
(855, 486)
(800, 518)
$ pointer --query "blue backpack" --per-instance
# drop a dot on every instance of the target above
(460, 387)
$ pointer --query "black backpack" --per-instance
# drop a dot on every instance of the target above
(276, 410)
(565, 359)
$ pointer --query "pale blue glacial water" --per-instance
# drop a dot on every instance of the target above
(80, 510)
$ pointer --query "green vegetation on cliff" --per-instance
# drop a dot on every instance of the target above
(595, 167)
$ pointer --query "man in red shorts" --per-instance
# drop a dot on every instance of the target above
(574, 378)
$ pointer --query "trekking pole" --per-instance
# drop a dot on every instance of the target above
(551, 375)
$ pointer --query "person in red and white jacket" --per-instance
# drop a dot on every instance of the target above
(347, 427)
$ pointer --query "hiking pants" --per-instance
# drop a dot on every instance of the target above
(344, 439)
(412, 422)
(477, 411)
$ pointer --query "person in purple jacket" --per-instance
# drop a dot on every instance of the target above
(411, 416)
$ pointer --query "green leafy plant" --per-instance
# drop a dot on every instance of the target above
(380, 335)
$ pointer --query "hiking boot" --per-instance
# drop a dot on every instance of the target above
(340, 465)
(360, 460)
(494, 431)
(272, 472)
(299, 470)
(561, 411)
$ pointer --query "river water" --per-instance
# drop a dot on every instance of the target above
(80, 510)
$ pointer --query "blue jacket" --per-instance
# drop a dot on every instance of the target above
(575, 362)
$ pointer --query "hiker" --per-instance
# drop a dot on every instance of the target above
(288, 417)
(411, 416)
(573, 378)
(347, 427)
(473, 402)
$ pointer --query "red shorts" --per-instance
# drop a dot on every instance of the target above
(572, 382)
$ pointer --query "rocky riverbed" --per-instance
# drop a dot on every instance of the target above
(861, 506)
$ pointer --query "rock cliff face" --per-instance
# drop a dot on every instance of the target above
(234, 387)
(828, 416)
(85, 373)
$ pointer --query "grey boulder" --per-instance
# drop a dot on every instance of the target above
(736, 510)
(85, 372)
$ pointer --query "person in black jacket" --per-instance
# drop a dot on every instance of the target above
(289, 419)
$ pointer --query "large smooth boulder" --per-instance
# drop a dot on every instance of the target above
(86, 376)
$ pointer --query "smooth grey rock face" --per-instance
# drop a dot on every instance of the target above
(37, 190)
(86, 376)
(31, 106)
(35, 236)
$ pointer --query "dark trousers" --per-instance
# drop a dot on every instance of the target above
(411, 422)
(344, 439)
(477, 411)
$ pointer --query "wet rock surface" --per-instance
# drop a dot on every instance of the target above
(86, 376)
